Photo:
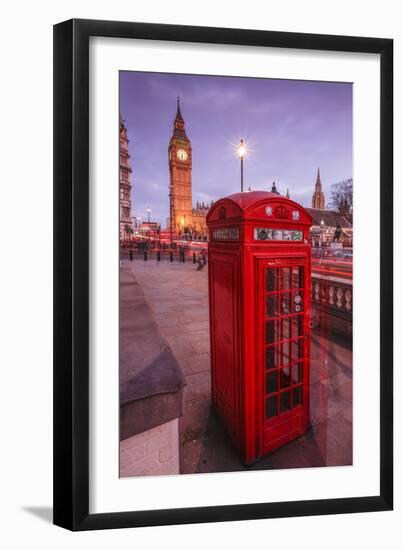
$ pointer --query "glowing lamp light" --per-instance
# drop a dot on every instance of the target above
(241, 149)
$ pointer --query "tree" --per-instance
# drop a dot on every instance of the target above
(341, 198)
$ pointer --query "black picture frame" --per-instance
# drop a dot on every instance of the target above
(71, 274)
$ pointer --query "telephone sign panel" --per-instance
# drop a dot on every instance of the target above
(259, 298)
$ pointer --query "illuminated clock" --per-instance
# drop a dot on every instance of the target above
(181, 154)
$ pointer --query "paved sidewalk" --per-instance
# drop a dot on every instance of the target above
(178, 296)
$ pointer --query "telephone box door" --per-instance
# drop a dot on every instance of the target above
(283, 348)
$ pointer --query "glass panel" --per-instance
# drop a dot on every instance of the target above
(296, 373)
(285, 303)
(272, 381)
(272, 279)
(285, 352)
(286, 328)
(272, 305)
(285, 401)
(298, 302)
(297, 325)
(271, 406)
(285, 377)
(301, 277)
(271, 357)
(271, 332)
(286, 278)
(297, 396)
(298, 277)
(297, 349)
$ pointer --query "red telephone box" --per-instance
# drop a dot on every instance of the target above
(259, 297)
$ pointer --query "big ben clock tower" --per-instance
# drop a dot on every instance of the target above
(180, 174)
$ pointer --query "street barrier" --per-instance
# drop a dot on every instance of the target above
(159, 255)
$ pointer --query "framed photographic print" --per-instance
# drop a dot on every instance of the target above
(223, 274)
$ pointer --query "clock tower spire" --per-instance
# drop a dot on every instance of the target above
(180, 175)
(179, 117)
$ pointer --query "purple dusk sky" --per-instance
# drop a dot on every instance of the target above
(290, 127)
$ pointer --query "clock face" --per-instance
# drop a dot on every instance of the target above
(181, 154)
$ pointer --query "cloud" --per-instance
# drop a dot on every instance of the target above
(194, 94)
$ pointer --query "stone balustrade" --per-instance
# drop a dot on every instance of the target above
(332, 304)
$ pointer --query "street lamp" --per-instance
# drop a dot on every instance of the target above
(241, 153)
(148, 214)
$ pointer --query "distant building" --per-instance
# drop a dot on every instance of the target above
(328, 225)
(125, 185)
(199, 217)
(150, 228)
(318, 198)
(136, 222)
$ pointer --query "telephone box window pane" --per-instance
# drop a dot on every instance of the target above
(271, 332)
(298, 302)
(297, 325)
(296, 373)
(285, 377)
(285, 352)
(286, 278)
(285, 303)
(298, 277)
(272, 381)
(286, 328)
(271, 406)
(297, 396)
(295, 277)
(297, 349)
(272, 279)
(285, 401)
(272, 305)
(301, 277)
(271, 357)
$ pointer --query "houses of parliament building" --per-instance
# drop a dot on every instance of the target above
(125, 171)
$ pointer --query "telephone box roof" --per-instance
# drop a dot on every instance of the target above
(250, 200)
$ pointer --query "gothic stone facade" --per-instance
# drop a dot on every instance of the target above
(318, 198)
(199, 218)
(125, 185)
